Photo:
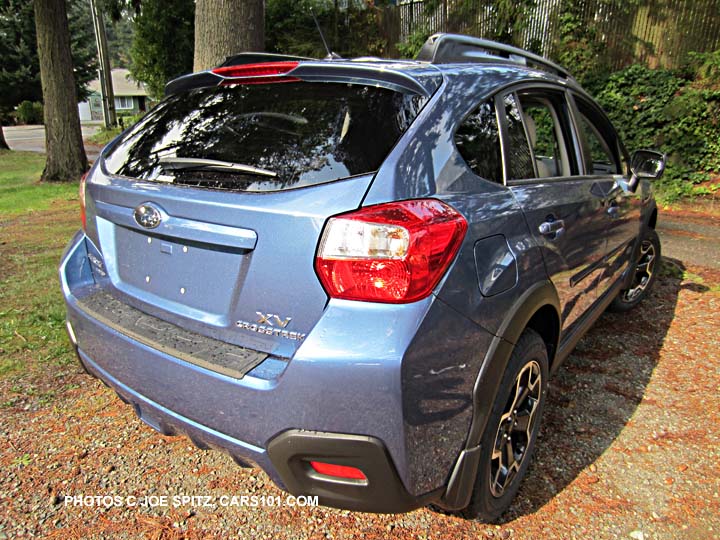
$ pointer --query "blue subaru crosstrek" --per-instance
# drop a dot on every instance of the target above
(360, 274)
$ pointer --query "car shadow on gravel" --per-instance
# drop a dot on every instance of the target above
(597, 390)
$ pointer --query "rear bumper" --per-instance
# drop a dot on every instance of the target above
(168, 422)
(333, 402)
(287, 457)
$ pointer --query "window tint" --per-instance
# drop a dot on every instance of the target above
(519, 159)
(305, 133)
(478, 142)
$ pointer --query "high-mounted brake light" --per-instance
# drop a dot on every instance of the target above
(81, 192)
(338, 471)
(265, 72)
(395, 252)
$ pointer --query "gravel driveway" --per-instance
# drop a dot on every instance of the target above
(628, 448)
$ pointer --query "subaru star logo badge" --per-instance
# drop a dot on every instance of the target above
(147, 215)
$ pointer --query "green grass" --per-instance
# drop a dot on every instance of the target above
(104, 135)
(36, 222)
(32, 326)
(20, 189)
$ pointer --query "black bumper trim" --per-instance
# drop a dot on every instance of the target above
(383, 492)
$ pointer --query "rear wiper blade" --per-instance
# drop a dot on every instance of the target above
(176, 163)
(295, 119)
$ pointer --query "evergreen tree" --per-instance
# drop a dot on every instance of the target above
(165, 30)
(120, 37)
(162, 46)
(19, 63)
(352, 31)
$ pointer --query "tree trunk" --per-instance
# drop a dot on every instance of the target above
(66, 159)
(227, 27)
(3, 142)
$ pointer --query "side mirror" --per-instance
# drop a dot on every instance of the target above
(645, 164)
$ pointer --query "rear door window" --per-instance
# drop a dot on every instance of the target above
(547, 124)
(282, 135)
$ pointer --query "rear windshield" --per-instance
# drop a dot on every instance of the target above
(296, 133)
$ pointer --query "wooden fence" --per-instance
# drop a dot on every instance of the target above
(659, 32)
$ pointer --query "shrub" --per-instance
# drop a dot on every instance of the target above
(104, 135)
(578, 46)
(30, 112)
(635, 99)
(411, 47)
(675, 111)
(125, 120)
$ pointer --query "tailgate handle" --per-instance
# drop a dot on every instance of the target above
(181, 228)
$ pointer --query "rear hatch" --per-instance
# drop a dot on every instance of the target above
(208, 212)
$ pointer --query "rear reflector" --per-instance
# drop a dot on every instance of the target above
(265, 72)
(338, 471)
(395, 252)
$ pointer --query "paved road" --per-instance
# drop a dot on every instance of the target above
(690, 239)
(32, 138)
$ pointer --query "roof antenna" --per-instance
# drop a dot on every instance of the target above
(330, 55)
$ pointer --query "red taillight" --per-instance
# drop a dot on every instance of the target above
(395, 252)
(81, 192)
(338, 471)
(265, 72)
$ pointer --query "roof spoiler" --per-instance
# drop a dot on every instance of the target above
(259, 58)
(208, 78)
(312, 70)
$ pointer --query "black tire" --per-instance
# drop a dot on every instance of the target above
(645, 267)
(496, 484)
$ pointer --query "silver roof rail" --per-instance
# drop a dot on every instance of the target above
(456, 48)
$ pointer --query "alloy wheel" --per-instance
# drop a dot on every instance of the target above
(643, 271)
(516, 427)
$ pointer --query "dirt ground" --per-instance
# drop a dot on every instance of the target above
(629, 446)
